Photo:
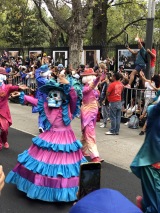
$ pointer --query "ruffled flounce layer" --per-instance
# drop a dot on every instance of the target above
(42, 192)
(52, 170)
(64, 141)
(49, 169)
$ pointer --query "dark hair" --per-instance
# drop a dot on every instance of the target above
(143, 44)
(121, 66)
(117, 76)
(153, 46)
(82, 66)
(156, 79)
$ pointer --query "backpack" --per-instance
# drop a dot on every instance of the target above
(133, 122)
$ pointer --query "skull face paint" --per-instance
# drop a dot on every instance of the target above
(55, 98)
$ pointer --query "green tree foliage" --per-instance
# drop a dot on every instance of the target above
(21, 26)
(111, 17)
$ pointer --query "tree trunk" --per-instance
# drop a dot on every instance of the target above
(100, 22)
(75, 50)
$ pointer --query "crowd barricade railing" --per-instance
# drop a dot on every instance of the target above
(18, 80)
(135, 101)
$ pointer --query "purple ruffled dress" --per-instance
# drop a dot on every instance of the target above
(49, 169)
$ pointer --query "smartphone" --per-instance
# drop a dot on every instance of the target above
(90, 177)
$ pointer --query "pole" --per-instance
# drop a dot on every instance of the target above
(149, 33)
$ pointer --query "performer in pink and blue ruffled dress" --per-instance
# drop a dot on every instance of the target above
(49, 169)
(89, 111)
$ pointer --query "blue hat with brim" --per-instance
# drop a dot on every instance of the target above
(104, 201)
(51, 85)
(44, 68)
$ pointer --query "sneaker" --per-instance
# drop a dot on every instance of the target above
(6, 145)
(103, 126)
(141, 133)
(109, 133)
(97, 159)
(139, 202)
(108, 119)
(126, 124)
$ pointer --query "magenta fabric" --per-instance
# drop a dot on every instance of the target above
(55, 157)
(59, 136)
(73, 100)
(31, 100)
(4, 125)
(45, 181)
(5, 91)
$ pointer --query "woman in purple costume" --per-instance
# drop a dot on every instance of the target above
(89, 111)
(49, 169)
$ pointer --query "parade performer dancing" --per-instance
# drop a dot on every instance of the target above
(5, 116)
(89, 111)
(49, 169)
(41, 75)
(146, 164)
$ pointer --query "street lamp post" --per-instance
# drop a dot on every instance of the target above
(149, 33)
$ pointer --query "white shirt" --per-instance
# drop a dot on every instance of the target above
(149, 92)
(3, 77)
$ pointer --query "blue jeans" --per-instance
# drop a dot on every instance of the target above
(115, 116)
(105, 113)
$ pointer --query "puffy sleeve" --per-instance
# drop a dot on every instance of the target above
(13, 88)
(24, 99)
(87, 89)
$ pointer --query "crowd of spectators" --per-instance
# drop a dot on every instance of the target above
(134, 100)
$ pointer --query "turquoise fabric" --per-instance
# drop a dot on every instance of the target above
(53, 170)
(149, 154)
(44, 119)
(41, 192)
(150, 179)
(75, 146)
(21, 98)
(78, 88)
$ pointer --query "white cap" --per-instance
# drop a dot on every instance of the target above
(76, 76)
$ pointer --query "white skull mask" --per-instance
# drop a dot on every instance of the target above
(55, 98)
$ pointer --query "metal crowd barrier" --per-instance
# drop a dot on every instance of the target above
(17, 80)
(141, 98)
(138, 95)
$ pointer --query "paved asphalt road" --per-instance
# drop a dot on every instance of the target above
(14, 201)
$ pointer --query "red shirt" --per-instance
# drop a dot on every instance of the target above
(115, 91)
(153, 59)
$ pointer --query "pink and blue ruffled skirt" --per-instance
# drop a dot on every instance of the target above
(49, 169)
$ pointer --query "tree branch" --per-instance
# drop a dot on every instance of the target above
(62, 23)
(121, 3)
(38, 6)
(129, 24)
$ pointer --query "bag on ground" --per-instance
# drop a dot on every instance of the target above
(133, 122)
